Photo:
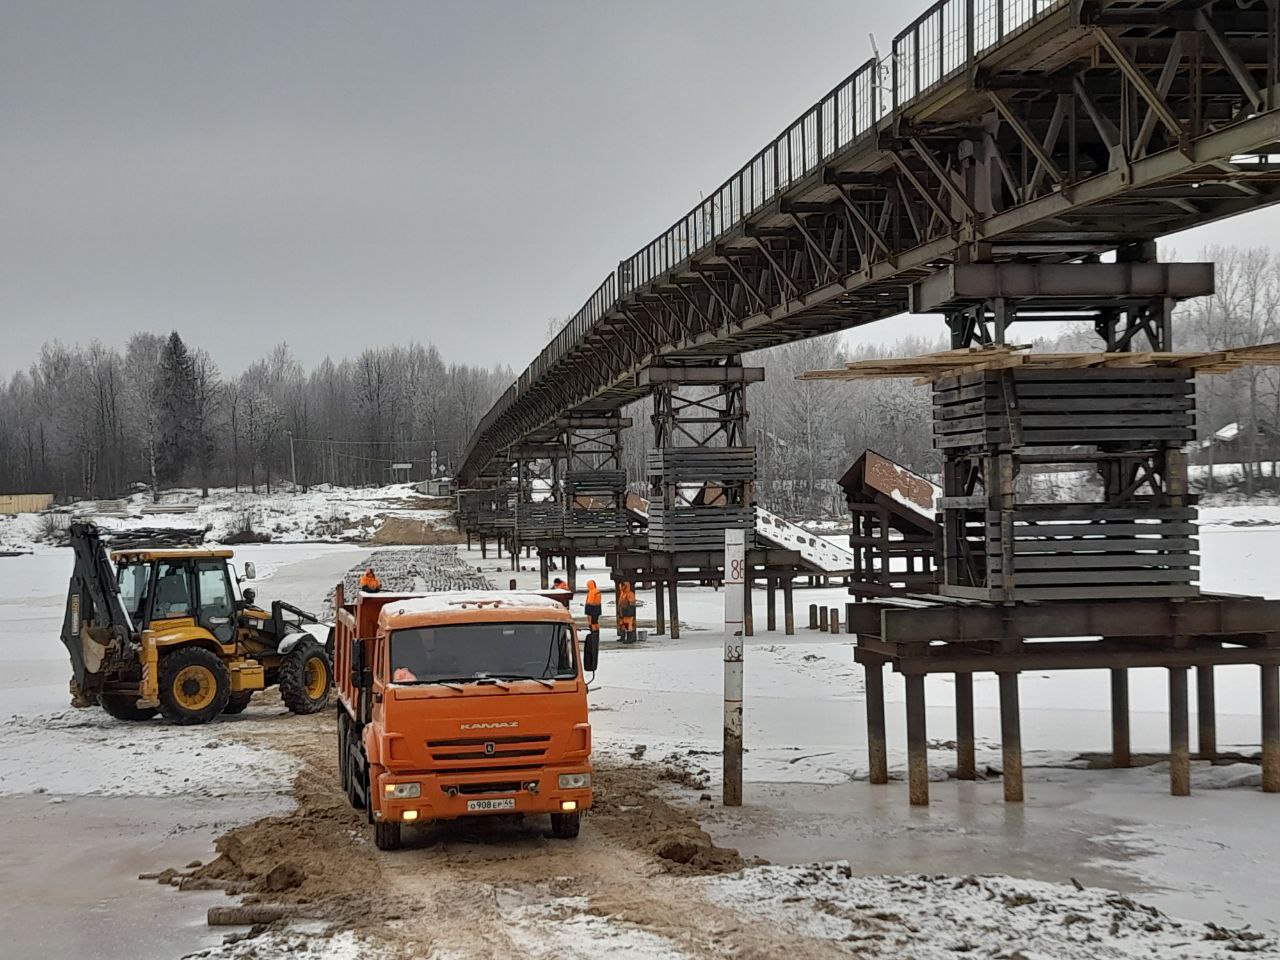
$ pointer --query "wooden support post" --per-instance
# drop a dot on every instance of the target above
(822, 620)
(1206, 714)
(544, 576)
(877, 748)
(675, 609)
(748, 614)
(788, 607)
(835, 619)
(571, 572)
(1179, 734)
(966, 762)
(1120, 754)
(484, 555)
(917, 742)
(497, 542)
(771, 603)
(1270, 728)
(1011, 737)
(813, 616)
(660, 606)
(511, 584)
(848, 618)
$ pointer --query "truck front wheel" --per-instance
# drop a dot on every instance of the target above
(386, 834)
(565, 826)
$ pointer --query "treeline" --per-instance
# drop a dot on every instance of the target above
(97, 422)
(100, 422)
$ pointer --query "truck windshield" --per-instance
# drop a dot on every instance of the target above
(476, 651)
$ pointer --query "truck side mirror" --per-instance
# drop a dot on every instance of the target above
(591, 651)
(250, 571)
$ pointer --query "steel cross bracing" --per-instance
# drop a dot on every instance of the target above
(998, 130)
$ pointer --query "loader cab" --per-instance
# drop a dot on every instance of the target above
(171, 586)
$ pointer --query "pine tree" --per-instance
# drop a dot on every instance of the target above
(176, 401)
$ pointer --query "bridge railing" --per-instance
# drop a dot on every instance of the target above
(842, 116)
(944, 39)
(939, 44)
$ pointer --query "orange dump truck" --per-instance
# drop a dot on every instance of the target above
(461, 704)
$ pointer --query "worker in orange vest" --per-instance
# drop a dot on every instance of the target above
(592, 607)
(369, 581)
(626, 604)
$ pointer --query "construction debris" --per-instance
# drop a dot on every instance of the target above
(417, 570)
(935, 366)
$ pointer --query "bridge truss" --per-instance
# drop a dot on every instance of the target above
(997, 130)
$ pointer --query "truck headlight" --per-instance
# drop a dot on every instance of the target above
(574, 781)
(403, 791)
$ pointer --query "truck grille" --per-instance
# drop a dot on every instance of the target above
(470, 789)
(489, 748)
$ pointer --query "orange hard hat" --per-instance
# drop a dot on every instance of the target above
(369, 579)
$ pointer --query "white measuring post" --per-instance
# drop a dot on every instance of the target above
(734, 577)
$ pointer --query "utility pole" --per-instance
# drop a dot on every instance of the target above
(734, 571)
(293, 461)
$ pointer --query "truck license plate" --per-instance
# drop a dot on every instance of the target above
(505, 803)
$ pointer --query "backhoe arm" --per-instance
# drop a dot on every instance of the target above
(95, 613)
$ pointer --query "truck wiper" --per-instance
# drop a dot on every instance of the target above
(520, 676)
(450, 682)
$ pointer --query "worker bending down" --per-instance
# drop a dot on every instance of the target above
(592, 607)
(369, 581)
(626, 604)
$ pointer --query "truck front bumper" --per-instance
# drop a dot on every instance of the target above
(483, 793)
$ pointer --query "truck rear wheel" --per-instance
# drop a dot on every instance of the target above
(195, 686)
(565, 826)
(124, 706)
(386, 834)
(305, 678)
(237, 703)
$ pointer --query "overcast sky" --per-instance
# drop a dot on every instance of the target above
(332, 174)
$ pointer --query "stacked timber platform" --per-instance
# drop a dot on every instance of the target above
(1136, 538)
(703, 495)
(596, 503)
(1106, 580)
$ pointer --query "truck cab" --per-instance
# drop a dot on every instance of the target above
(462, 704)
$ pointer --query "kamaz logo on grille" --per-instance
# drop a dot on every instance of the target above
(496, 725)
(489, 748)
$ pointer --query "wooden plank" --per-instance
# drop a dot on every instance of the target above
(1081, 546)
(1067, 578)
(1102, 561)
(1082, 530)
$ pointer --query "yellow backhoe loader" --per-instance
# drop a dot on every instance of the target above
(161, 630)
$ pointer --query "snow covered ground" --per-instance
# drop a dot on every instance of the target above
(79, 781)
(323, 513)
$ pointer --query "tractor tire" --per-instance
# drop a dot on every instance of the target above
(565, 826)
(305, 678)
(386, 834)
(195, 686)
(123, 706)
(237, 703)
